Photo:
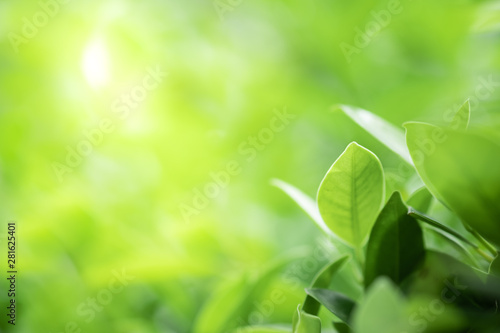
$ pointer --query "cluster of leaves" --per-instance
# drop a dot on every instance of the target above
(415, 273)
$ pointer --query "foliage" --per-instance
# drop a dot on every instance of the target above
(460, 168)
(243, 256)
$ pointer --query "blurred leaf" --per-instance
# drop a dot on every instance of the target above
(461, 119)
(396, 243)
(337, 303)
(351, 194)
(391, 136)
(304, 202)
(264, 329)
(383, 310)
(421, 200)
(488, 18)
(229, 297)
(322, 280)
(461, 170)
(306, 323)
(236, 297)
(463, 282)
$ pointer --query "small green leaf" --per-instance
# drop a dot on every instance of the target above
(322, 280)
(383, 310)
(306, 323)
(391, 136)
(421, 200)
(351, 194)
(461, 119)
(396, 243)
(337, 303)
(461, 170)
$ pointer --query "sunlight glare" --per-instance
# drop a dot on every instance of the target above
(95, 64)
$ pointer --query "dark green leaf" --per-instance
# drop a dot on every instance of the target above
(337, 303)
(322, 280)
(341, 327)
(396, 243)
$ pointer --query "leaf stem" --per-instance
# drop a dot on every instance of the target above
(360, 256)
(429, 220)
(480, 238)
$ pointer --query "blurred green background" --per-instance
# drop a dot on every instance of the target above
(228, 67)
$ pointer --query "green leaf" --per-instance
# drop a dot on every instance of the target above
(383, 310)
(304, 202)
(396, 243)
(337, 303)
(306, 323)
(390, 135)
(421, 200)
(351, 194)
(322, 280)
(461, 169)
(461, 119)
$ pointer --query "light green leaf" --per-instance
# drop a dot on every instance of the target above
(351, 194)
(383, 310)
(306, 323)
(396, 245)
(461, 119)
(322, 280)
(421, 200)
(305, 202)
(391, 136)
(461, 169)
(337, 303)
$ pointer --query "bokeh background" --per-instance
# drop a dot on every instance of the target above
(228, 66)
